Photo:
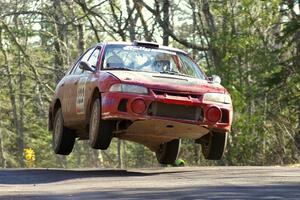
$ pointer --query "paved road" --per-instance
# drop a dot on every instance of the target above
(164, 183)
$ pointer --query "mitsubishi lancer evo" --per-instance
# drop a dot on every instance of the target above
(142, 92)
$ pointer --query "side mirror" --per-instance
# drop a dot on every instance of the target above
(215, 79)
(86, 66)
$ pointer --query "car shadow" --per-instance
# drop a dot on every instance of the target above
(38, 176)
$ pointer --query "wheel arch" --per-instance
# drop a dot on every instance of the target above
(95, 94)
(52, 112)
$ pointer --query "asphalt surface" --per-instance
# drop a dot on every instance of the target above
(163, 183)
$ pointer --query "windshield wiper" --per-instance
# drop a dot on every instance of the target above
(119, 68)
(169, 72)
(173, 73)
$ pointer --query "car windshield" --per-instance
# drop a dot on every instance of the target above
(138, 58)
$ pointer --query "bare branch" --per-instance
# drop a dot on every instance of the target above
(183, 41)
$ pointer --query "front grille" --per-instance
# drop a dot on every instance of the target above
(164, 93)
(175, 111)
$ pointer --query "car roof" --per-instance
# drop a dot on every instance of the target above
(133, 44)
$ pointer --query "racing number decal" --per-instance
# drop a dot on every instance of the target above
(80, 95)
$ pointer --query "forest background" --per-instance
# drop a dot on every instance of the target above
(254, 46)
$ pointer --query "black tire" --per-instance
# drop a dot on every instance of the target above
(168, 152)
(213, 145)
(63, 139)
(100, 131)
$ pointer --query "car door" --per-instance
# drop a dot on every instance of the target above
(71, 104)
(85, 87)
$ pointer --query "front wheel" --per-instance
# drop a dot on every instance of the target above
(63, 139)
(100, 131)
(213, 145)
(168, 152)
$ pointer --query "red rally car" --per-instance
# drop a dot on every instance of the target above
(143, 92)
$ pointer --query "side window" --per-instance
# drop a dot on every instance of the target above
(94, 58)
(85, 57)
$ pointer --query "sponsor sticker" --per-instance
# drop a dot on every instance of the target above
(67, 100)
(81, 95)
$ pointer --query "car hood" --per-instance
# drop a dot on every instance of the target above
(166, 81)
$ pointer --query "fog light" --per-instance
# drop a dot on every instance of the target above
(213, 114)
(138, 106)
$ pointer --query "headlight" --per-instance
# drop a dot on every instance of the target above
(128, 88)
(217, 97)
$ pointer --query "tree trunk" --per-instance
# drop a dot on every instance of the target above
(166, 13)
(78, 155)
(201, 31)
(140, 155)
(100, 158)
(194, 26)
(15, 116)
(20, 107)
(298, 132)
(197, 153)
(59, 29)
(147, 34)
(131, 23)
(21, 110)
(81, 43)
(120, 157)
(63, 161)
(209, 18)
(2, 160)
(124, 153)
(95, 156)
(297, 66)
(86, 146)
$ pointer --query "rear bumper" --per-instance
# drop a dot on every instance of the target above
(181, 108)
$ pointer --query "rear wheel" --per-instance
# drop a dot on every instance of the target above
(100, 131)
(63, 139)
(168, 152)
(213, 145)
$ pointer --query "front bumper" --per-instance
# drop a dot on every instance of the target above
(165, 105)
